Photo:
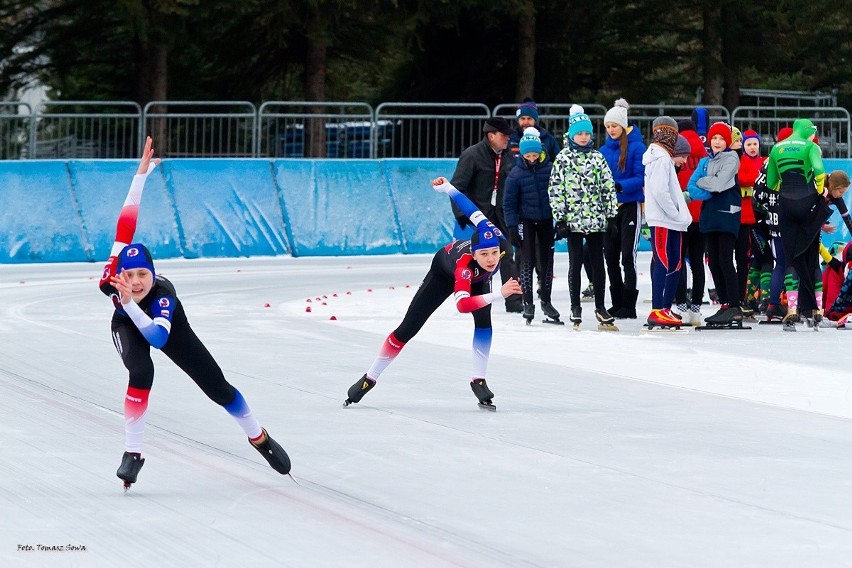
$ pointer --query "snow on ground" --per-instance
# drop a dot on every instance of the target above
(608, 449)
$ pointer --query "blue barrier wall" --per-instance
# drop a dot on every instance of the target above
(57, 211)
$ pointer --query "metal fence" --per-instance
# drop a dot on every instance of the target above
(306, 129)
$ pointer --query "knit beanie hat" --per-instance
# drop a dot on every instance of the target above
(134, 256)
(750, 134)
(617, 114)
(701, 118)
(686, 124)
(578, 121)
(664, 133)
(723, 130)
(682, 147)
(527, 108)
(736, 135)
(485, 236)
(838, 179)
(530, 141)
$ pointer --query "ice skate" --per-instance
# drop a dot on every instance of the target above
(844, 323)
(551, 315)
(588, 293)
(605, 321)
(576, 317)
(728, 317)
(663, 320)
(131, 463)
(774, 314)
(529, 313)
(272, 452)
(789, 321)
(359, 389)
(483, 393)
(812, 318)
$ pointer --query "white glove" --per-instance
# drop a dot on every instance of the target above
(444, 187)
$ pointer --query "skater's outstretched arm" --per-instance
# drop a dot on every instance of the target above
(442, 185)
(126, 225)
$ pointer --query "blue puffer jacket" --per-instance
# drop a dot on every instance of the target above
(632, 179)
(526, 193)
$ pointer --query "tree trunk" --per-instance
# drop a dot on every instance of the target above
(730, 57)
(316, 65)
(152, 85)
(712, 55)
(525, 76)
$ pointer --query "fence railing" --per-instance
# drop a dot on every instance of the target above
(310, 129)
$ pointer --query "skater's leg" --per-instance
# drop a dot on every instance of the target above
(742, 253)
(697, 248)
(727, 244)
(544, 240)
(631, 228)
(135, 353)
(776, 284)
(482, 333)
(612, 256)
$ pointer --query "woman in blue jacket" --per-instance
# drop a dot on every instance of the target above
(623, 152)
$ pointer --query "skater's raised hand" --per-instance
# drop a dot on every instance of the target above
(147, 154)
(510, 288)
(121, 282)
(442, 185)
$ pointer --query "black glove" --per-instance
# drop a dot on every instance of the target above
(617, 187)
(836, 265)
(562, 230)
(516, 236)
(463, 221)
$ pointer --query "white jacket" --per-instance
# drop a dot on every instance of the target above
(664, 202)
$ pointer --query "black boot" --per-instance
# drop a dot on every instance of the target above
(131, 463)
(359, 389)
(628, 305)
(515, 304)
(616, 294)
(273, 453)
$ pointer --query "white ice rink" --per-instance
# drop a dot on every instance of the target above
(711, 448)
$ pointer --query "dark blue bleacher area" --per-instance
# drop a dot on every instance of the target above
(342, 139)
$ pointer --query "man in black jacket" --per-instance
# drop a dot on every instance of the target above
(480, 175)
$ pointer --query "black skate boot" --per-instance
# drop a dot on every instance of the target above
(359, 389)
(588, 293)
(273, 453)
(483, 393)
(551, 314)
(576, 316)
(131, 463)
(728, 317)
(605, 321)
(529, 312)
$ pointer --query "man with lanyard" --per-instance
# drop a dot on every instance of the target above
(480, 175)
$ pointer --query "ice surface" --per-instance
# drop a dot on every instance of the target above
(607, 449)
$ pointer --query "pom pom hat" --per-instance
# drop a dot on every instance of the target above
(721, 129)
(617, 114)
(530, 141)
(578, 121)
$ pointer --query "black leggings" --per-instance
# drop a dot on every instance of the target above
(575, 266)
(435, 288)
(720, 258)
(537, 241)
(183, 347)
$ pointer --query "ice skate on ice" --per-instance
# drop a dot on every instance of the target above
(359, 389)
(483, 393)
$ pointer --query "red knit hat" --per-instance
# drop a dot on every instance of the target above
(784, 133)
(722, 130)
